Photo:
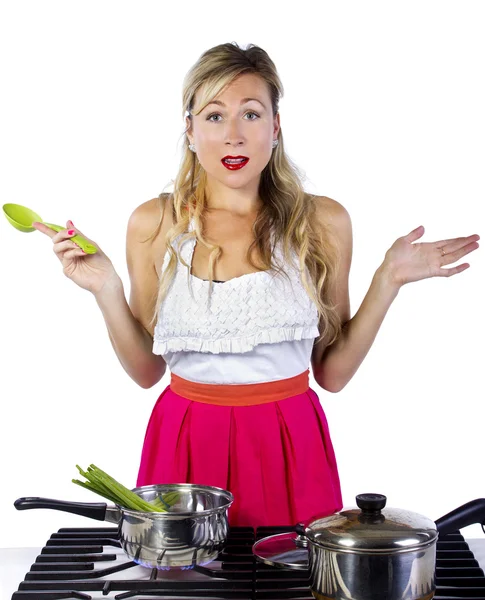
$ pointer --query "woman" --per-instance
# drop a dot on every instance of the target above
(239, 281)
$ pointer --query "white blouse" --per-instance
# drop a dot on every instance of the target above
(255, 328)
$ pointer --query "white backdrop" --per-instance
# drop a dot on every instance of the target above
(383, 110)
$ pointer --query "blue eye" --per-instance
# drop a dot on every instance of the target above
(250, 112)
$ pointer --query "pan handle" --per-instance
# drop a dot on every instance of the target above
(468, 514)
(94, 510)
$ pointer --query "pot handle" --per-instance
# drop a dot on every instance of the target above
(468, 514)
(94, 510)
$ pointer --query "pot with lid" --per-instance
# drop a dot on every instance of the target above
(368, 553)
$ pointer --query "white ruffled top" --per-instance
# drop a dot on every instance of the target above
(254, 328)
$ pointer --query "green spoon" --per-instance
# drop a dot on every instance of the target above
(22, 218)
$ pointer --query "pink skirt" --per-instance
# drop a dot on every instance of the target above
(272, 450)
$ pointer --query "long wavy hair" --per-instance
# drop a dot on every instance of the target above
(288, 211)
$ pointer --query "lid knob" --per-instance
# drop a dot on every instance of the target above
(371, 503)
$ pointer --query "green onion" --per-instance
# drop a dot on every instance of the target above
(167, 501)
(104, 485)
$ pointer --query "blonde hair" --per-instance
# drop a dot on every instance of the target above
(287, 210)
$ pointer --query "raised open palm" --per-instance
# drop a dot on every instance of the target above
(409, 261)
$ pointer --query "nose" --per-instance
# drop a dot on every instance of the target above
(233, 134)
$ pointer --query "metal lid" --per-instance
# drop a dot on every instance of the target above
(372, 529)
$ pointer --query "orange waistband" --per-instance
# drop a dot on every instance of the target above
(247, 394)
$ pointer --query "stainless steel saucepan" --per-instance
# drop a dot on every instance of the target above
(193, 532)
(368, 553)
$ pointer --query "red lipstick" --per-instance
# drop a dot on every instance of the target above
(234, 162)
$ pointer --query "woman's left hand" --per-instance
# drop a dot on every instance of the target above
(407, 261)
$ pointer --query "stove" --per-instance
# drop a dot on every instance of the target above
(88, 563)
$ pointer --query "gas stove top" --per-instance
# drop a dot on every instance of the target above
(88, 563)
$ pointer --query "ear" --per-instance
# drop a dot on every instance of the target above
(277, 125)
(188, 127)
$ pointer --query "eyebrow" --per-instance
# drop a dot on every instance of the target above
(243, 101)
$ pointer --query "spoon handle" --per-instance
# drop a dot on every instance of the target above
(77, 239)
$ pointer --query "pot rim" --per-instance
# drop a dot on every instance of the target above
(380, 551)
(180, 486)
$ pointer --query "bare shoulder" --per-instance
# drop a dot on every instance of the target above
(336, 222)
(144, 250)
(145, 236)
(332, 214)
(146, 218)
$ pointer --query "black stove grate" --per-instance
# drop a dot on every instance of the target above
(83, 563)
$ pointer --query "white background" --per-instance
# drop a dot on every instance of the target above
(383, 110)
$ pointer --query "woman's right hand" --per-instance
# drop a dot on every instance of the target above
(89, 271)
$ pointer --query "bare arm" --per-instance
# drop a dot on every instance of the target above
(128, 325)
(404, 262)
(334, 366)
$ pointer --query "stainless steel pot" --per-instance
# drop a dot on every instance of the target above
(368, 553)
(192, 533)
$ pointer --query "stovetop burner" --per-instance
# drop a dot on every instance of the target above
(75, 563)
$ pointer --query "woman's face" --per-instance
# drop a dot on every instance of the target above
(235, 126)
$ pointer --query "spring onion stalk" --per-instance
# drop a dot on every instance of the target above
(104, 485)
(167, 501)
(88, 486)
(127, 498)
